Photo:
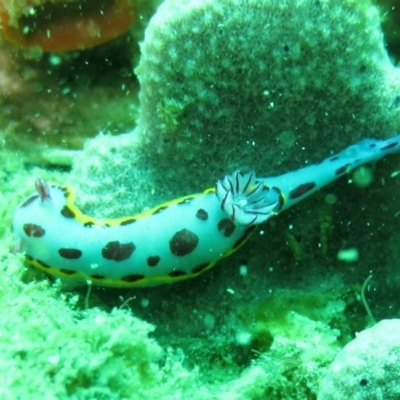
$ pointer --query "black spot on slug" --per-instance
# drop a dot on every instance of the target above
(152, 261)
(202, 214)
(67, 271)
(132, 278)
(342, 169)
(176, 273)
(302, 190)
(118, 251)
(199, 268)
(42, 264)
(185, 201)
(70, 254)
(389, 146)
(183, 242)
(33, 230)
(159, 209)
(95, 276)
(128, 221)
(67, 212)
(226, 226)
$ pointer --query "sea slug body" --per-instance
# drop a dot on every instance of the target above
(176, 240)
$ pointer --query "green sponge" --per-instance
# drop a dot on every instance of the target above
(366, 368)
(253, 83)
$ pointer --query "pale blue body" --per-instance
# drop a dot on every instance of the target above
(366, 151)
(177, 240)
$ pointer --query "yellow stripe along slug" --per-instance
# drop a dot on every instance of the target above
(177, 240)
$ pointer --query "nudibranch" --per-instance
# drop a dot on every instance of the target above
(176, 240)
(65, 25)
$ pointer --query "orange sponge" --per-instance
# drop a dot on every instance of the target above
(66, 25)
